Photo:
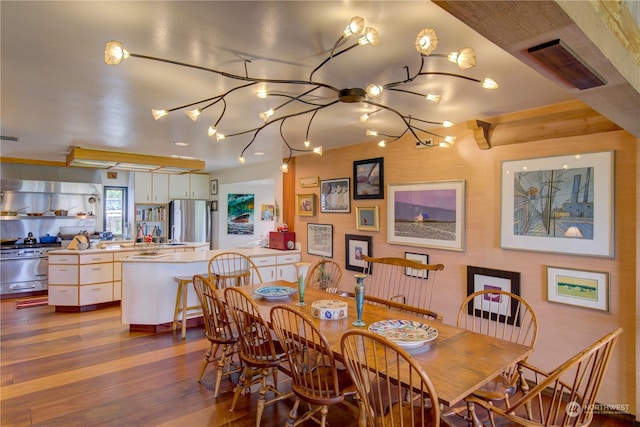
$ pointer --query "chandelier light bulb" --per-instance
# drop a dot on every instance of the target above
(158, 114)
(284, 168)
(219, 136)
(114, 53)
(318, 150)
(370, 132)
(464, 58)
(426, 41)
(193, 114)
(450, 139)
(266, 114)
(488, 83)
(356, 26)
(444, 144)
(307, 143)
(212, 130)
(447, 123)
(364, 118)
(433, 98)
(374, 90)
(370, 37)
(241, 159)
(262, 94)
(382, 143)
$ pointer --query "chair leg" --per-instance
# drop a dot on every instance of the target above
(293, 413)
(323, 415)
(185, 290)
(223, 362)
(262, 396)
(207, 358)
(473, 417)
(245, 378)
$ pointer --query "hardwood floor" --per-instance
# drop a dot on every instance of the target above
(87, 369)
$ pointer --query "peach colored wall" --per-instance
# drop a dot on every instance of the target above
(564, 330)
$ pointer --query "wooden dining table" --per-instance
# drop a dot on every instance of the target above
(457, 361)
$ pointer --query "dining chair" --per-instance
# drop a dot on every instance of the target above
(325, 275)
(565, 396)
(233, 269)
(219, 330)
(392, 386)
(401, 280)
(315, 377)
(261, 354)
(503, 315)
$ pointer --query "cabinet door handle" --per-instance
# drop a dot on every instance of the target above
(97, 268)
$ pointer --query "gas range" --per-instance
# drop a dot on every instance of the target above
(37, 250)
(35, 245)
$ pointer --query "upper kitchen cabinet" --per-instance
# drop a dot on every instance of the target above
(151, 187)
(189, 186)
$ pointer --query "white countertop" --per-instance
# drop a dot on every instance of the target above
(117, 247)
(199, 256)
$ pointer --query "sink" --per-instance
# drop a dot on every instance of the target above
(174, 244)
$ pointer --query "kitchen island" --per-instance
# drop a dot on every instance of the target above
(149, 286)
(82, 280)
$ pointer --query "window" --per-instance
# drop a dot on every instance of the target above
(115, 210)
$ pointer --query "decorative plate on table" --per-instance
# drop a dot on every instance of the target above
(274, 293)
(405, 333)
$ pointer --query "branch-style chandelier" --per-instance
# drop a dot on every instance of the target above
(426, 42)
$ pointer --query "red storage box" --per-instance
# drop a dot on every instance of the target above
(283, 240)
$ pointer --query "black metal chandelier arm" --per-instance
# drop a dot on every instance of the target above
(224, 108)
(441, 73)
(193, 103)
(306, 135)
(406, 91)
(409, 78)
(397, 113)
(297, 99)
(234, 76)
(330, 57)
(424, 121)
(285, 141)
(215, 99)
(427, 132)
(258, 129)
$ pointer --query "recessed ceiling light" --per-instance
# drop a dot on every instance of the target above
(258, 153)
(181, 144)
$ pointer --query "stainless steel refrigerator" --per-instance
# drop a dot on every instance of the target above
(190, 221)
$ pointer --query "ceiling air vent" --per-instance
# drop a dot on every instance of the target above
(9, 138)
(561, 60)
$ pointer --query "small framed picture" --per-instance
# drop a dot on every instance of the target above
(335, 195)
(368, 178)
(367, 218)
(214, 187)
(422, 259)
(583, 288)
(214, 206)
(310, 181)
(320, 240)
(306, 204)
(479, 278)
(356, 247)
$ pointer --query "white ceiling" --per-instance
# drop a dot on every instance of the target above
(58, 93)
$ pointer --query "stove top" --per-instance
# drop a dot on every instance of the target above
(34, 246)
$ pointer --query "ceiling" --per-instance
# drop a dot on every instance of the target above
(57, 93)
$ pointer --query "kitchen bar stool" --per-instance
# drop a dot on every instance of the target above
(182, 310)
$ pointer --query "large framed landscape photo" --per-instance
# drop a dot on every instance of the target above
(589, 289)
(559, 204)
(429, 214)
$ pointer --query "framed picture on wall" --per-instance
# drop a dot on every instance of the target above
(306, 204)
(214, 187)
(559, 204)
(422, 259)
(582, 288)
(335, 195)
(368, 179)
(320, 240)
(355, 248)
(479, 278)
(429, 214)
(367, 218)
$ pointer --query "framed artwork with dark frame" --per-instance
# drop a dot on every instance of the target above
(560, 204)
(306, 204)
(335, 195)
(320, 240)
(367, 218)
(368, 178)
(421, 258)
(479, 278)
(355, 247)
(214, 187)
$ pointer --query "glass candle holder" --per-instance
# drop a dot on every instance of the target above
(301, 272)
(359, 296)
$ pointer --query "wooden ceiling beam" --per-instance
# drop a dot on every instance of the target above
(558, 121)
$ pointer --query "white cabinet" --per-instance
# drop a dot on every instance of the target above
(81, 280)
(189, 186)
(267, 267)
(151, 187)
(285, 269)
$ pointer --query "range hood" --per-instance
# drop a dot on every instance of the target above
(116, 160)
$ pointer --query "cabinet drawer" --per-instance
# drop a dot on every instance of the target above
(96, 258)
(119, 256)
(63, 275)
(63, 295)
(96, 273)
(264, 260)
(288, 259)
(268, 274)
(63, 259)
(94, 294)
